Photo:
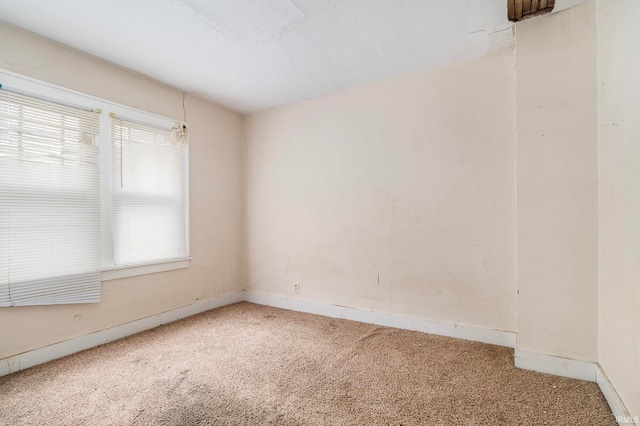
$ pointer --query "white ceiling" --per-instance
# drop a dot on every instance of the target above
(251, 55)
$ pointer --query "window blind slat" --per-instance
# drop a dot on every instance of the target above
(49, 203)
(82, 288)
(25, 111)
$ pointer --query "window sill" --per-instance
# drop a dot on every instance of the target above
(118, 272)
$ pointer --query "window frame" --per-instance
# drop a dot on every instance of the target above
(131, 115)
(110, 271)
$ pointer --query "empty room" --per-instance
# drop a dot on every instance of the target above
(319, 212)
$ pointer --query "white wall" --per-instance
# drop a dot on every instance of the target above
(619, 148)
(557, 184)
(216, 203)
(397, 196)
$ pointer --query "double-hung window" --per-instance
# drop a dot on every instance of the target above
(89, 191)
(49, 202)
(148, 193)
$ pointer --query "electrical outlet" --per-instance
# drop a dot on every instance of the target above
(296, 287)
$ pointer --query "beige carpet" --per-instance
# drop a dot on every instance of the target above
(251, 365)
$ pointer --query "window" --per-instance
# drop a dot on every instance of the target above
(85, 196)
(148, 193)
(49, 202)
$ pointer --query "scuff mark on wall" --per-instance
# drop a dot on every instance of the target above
(257, 280)
(487, 199)
(286, 271)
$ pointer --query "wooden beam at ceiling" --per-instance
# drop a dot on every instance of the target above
(518, 10)
(534, 5)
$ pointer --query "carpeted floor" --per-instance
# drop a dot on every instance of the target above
(246, 364)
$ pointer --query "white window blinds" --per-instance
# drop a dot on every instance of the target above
(49, 203)
(149, 193)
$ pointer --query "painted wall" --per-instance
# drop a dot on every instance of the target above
(619, 148)
(557, 184)
(397, 196)
(216, 202)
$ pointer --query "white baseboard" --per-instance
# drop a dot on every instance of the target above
(575, 369)
(478, 334)
(58, 350)
(38, 356)
(550, 364)
(613, 399)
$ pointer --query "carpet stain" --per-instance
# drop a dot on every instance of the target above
(178, 382)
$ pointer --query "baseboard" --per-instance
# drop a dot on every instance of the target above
(613, 399)
(58, 350)
(576, 369)
(38, 356)
(478, 334)
(550, 364)
(573, 368)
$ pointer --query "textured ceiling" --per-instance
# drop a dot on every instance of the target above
(251, 55)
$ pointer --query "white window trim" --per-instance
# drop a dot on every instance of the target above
(110, 271)
(118, 272)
